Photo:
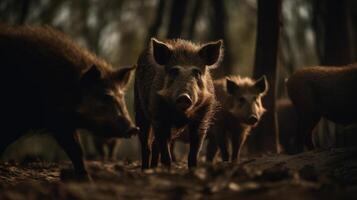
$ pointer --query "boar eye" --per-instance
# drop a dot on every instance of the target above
(197, 73)
(173, 72)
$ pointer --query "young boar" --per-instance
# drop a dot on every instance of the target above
(328, 92)
(174, 90)
(51, 83)
(241, 110)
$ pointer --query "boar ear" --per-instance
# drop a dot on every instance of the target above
(211, 52)
(262, 84)
(91, 76)
(160, 51)
(232, 87)
(123, 75)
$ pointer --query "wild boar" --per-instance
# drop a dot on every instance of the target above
(241, 110)
(173, 89)
(51, 83)
(328, 92)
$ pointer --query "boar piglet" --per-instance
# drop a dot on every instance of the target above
(328, 92)
(174, 90)
(241, 109)
(51, 83)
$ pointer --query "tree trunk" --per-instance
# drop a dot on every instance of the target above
(155, 26)
(354, 28)
(25, 7)
(266, 137)
(177, 16)
(333, 31)
(48, 14)
(219, 32)
(195, 13)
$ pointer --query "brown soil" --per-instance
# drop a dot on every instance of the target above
(319, 174)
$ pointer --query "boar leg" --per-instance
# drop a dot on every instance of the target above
(237, 145)
(211, 149)
(172, 151)
(196, 139)
(308, 116)
(111, 150)
(155, 154)
(70, 144)
(223, 147)
(162, 137)
(145, 147)
(99, 145)
(144, 135)
(305, 126)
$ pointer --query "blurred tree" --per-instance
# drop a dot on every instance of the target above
(266, 136)
(155, 26)
(219, 31)
(48, 13)
(354, 27)
(177, 17)
(333, 31)
(25, 7)
(195, 12)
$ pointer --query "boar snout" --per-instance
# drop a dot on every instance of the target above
(252, 120)
(183, 101)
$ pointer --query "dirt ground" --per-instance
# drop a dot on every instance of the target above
(319, 174)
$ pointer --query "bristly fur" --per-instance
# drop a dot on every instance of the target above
(228, 127)
(242, 81)
(51, 83)
(57, 44)
(328, 92)
(245, 84)
(185, 52)
(156, 113)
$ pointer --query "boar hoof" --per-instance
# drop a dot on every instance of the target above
(71, 175)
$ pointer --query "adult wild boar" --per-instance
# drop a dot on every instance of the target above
(241, 110)
(328, 92)
(174, 89)
(51, 83)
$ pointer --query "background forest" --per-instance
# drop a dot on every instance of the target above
(312, 32)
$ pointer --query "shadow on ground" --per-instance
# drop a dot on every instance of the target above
(319, 174)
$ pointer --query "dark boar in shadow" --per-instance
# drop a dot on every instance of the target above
(287, 123)
(174, 90)
(329, 92)
(240, 110)
(51, 83)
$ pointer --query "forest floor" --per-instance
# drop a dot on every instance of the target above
(319, 174)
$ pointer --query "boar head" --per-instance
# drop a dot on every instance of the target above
(247, 99)
(102, 109)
